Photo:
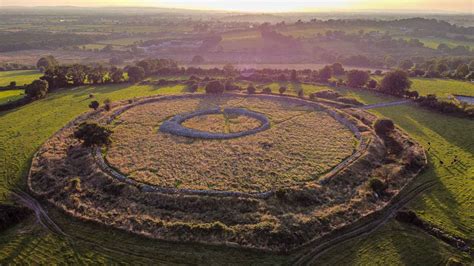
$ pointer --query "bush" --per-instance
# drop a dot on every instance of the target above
(214, 87)
(384, 126)
(94, 105)
(92, 134)
(301, 93)
(378, 186)
(267, 90)
(357, 78)
(282, 90)
(251, 89)
(107, 104)
(37, 89)
(326, 94)
(193, 88)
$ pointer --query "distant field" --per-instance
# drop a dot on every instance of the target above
(10, 95)
(448, 205)
(442, 87)
(434, 42)
(20, 76)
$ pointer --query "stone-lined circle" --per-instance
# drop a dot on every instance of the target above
(174, 125)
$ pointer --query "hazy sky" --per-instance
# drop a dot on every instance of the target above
(465, 6)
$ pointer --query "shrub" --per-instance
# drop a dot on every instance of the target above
(378, 186)
(282, 89)
(267, 90)
(301, 93)
(92, 134)
(12, 84)
(107, 104)
(327, 94)
(193, 88)
(37, 89)
(214, 87)
(251, 89)
(94, 105)
(383, 126)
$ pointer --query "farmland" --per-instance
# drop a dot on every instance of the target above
(10, 95)
(21, 77)
(412, 244)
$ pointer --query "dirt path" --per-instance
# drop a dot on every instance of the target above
(378, 105)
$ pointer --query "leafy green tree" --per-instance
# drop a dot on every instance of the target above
(116, 75)
(94, 105)
(357, 78)
(46, 62)
(135, 73)
(37, 89)
(395, 82)
(325, 73)
(337, 69)
(214, 87)
(462, 71)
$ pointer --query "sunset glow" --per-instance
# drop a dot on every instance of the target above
(465, 6)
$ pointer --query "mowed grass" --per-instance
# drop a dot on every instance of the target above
(448, 205)
(21, 77)
(10, 95)
(442, 88)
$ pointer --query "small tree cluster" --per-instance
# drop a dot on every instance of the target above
(214, 87)
(92, 134)
(37, 89)
(384, 126)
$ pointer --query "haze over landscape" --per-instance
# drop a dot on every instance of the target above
(236, 132)
(460, 6)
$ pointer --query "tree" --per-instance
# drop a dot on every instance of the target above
(94, 105)
(396, 82)
(116, 75)
(267, 90)
(197, 59)
(337, 69)
(357, 78)
(135, 73)
(294, 75)
(378, 186)
(228, 69)
(389, 61)
(372, 84)
(443, 47)
(214, 87)
(12, 84)
(383, 126)
(406, 64)
(282, 89)
(251, 89)
(462, 71)
(46, 62)
(92, 134)
(325, 73)
(37, 89)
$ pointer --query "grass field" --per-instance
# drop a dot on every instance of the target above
(20, 76)
(284, 155)
(448, 205)
(10, 95)
(443, 88)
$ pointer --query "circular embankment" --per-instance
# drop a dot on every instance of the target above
(297, 171)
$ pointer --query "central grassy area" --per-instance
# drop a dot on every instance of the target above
(301, 144)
